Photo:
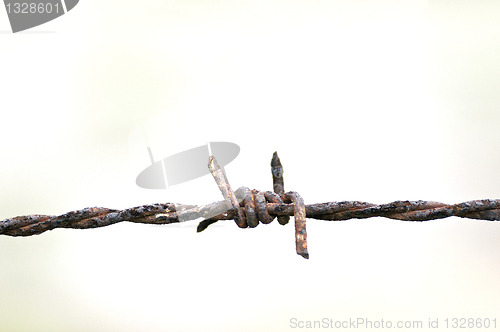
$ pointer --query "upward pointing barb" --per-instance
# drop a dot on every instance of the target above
(226, 190)
(277, 171)
(278, 183)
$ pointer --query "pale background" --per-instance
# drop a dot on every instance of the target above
(363, 100)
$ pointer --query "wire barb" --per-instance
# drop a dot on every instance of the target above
(278, 182)
(227, 192)
(248, 208)
(299, 214)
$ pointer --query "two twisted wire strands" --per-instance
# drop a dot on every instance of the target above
(249, 207)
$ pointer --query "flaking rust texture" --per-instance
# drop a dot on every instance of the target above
(248, 208)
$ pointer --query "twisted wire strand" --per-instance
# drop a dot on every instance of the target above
(248, 208)
(486, 209)
(92, 217)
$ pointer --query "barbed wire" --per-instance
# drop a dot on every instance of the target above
(248, 208)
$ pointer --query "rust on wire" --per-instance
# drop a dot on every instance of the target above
(248, 208)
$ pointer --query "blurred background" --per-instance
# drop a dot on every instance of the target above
(364, 100)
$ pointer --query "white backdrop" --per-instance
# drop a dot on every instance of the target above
(373, 101)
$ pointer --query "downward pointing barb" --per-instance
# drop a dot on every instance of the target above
(299, 214)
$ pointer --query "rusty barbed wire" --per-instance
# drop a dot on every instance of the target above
(248, 208)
